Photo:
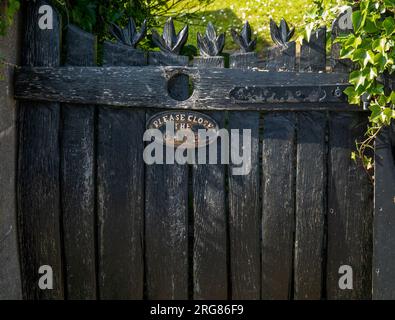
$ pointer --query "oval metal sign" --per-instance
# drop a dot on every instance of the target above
(184, 122)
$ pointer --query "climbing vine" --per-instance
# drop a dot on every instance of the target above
(371, 48)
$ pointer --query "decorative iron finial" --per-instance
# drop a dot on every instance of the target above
(281, 35)
(244, 38)
(170, 42)
(129, 35)
(210, 45)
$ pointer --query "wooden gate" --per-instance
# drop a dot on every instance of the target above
(112, 227)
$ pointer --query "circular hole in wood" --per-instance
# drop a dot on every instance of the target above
(180, 87)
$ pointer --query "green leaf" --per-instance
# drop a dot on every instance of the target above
(363, 56)
(389, 25)
(359, 17)
(370, 26)
(353, 97)
(350, 41)
(367, 162)
(388, 115)
(382, 101)
(347, 53)
(357, 79)
(381, 60)
(379, 45)
(356, 20)
(364, 5)
(308, 30)
(375, 116)
(372, 73)
(390, 4)
(376, 90)
(357, 42)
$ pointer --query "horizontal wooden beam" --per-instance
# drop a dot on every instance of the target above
(214, 89)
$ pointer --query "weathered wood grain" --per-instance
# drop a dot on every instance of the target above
(384, 219)
(158, 58)
(121, 55)
(147, 87)
(278, 205)
(349, 210)
(77, 178)
(210, 273)
(243, 60)
(305, 96)
(310, 205)
(166, 217)
(210, 218)
(313, 53)
(166, 227)
(278, 192)
(211, 62)
(79, 47)
(120, 187)
(38, 166)
(283, 59)
(245, 214)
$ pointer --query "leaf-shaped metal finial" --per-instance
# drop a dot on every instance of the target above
(210, 45)
(244, 38)
(281, 35)
(129, 35)
(170, 42)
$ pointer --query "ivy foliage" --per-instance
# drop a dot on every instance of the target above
(371, 48)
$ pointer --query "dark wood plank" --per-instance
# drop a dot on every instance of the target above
(210, 273)
(209, 62)
(210, 219)
(121, 55)
(278, 58)
(313, 53)
(80, 47)
(278, 191)
(278, 201)
(120, 187)
(245, 215)
(77, 178)
(166, 217)
(120, 203)
(244, 211)
(349, 210)
(38, 168)
(243, 60)
(384, 219)
(310, 205)
(166, 231)
(147, 87)
(158, 58)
